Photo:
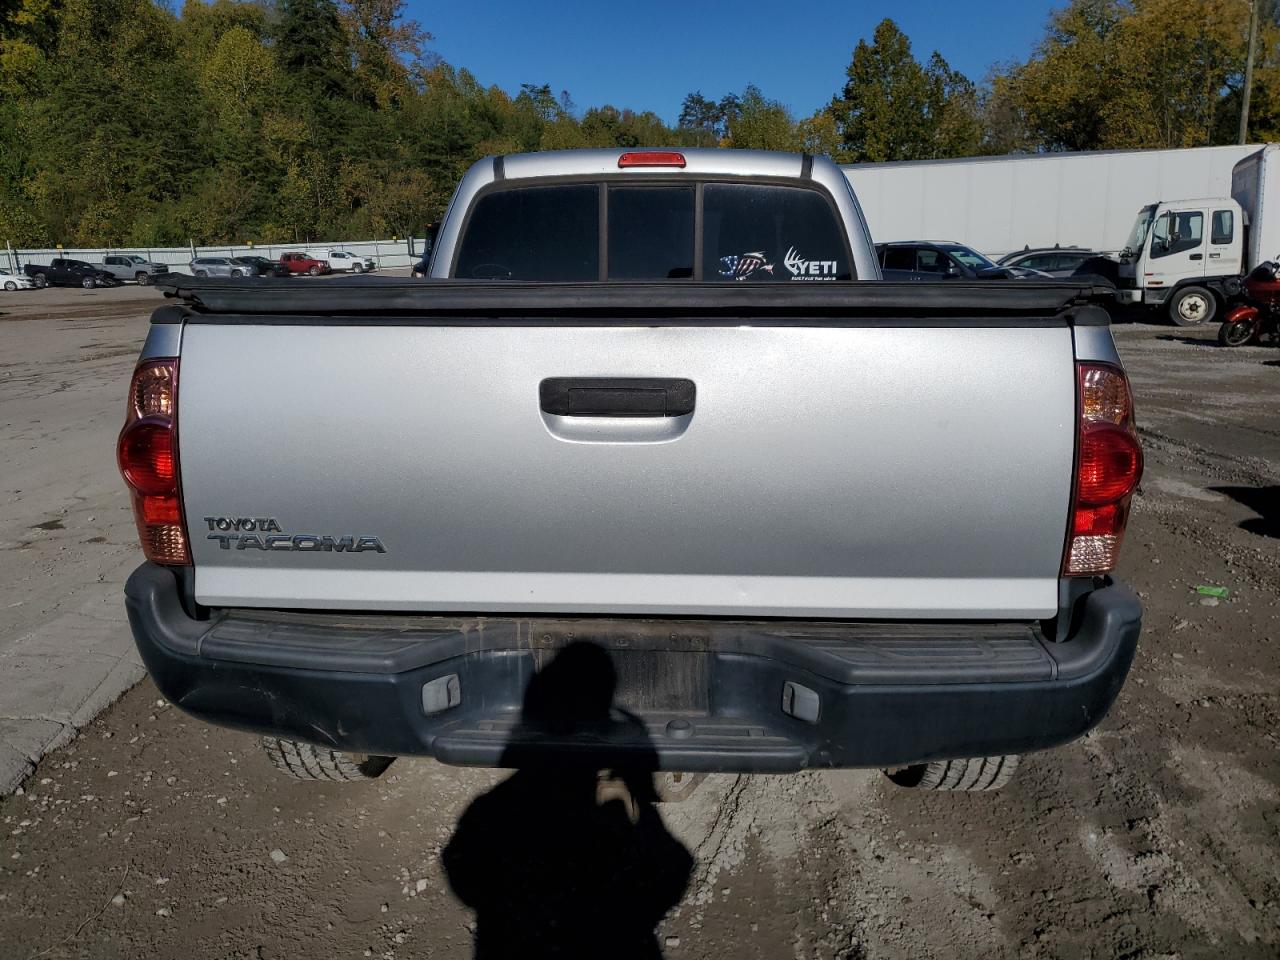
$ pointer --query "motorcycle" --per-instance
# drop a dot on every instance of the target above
(1257, 318)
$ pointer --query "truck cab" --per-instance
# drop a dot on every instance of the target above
(1187, 254)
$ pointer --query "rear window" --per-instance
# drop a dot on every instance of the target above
(756, 232)
(534, 233)
(752, 232)
(651, 232)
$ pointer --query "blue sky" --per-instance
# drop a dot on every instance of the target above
(648, 55)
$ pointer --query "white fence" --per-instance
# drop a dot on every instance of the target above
(403, 252)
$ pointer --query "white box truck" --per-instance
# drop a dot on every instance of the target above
(1190, 255)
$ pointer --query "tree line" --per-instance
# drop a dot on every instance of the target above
(124, 123)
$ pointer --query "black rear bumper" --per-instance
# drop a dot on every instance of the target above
(688, 695)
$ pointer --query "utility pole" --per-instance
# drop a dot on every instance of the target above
(1248, 71)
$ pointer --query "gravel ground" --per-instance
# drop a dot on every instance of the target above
(1158, 835)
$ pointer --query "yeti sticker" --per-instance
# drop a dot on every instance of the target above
(741, 267)
(802, 269)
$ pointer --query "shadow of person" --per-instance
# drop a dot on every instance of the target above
(561, 859)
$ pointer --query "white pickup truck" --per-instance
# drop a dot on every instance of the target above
(342, 261)
(653, 428)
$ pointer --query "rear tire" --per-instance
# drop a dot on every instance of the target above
(40, 280)
(973, 774)
(305, 761)
(1237, 334)
(1191, 306)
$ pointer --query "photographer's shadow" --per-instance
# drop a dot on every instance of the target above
(562, 859)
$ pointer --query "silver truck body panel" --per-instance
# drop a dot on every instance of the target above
(163, 340)
(889, 472)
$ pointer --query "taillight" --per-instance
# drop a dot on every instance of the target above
(1108, 468)
(651, 158)
(147, 452)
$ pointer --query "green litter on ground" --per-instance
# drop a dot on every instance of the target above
(1207, 591)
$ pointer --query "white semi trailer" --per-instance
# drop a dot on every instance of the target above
(1000, 204)
(1186, 255)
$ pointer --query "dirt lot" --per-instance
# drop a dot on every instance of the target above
(1158, 835)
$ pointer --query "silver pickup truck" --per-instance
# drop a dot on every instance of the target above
(130, 266)
(653, 470)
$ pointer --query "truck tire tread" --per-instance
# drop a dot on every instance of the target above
(305, 761)
(974, 774)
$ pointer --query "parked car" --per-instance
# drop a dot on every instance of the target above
(675, 523)
(221, 267)
(64, 272)
(1052, 261)
(345, 260)
(14, 281)
(305, 263)
(937, 260)
(261, 266)
(130, 266)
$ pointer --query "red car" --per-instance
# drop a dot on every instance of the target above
(304, 263)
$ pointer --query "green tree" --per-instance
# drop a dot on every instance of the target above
(894, 108)
(1129, 73)
(384, 46)
(311, 47)
(758, 123)
(704, 122)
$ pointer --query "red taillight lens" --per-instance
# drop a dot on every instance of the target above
(147, 452)
(1108, 468)
(146, 456)
(652, 158)
(1110, 462)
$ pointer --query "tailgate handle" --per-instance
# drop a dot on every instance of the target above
(616, 396)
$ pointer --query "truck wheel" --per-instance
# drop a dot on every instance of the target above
(40, 280)
(1192, 305)
(88, 283)
(314, 271)
(142, 278)
(305, 761)
(974, 774)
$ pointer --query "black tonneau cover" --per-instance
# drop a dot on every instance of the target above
(392, 299)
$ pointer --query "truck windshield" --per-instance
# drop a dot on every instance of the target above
(1138, 235)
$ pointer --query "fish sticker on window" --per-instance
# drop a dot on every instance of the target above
(741, 267)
